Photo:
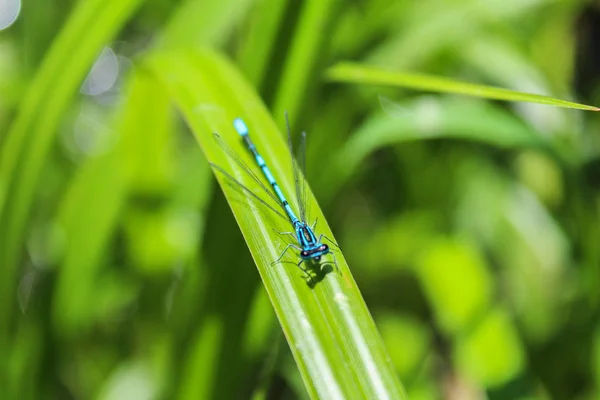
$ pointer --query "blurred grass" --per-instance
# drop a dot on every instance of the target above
(259, 44)
(315, 21)
(31, 136)
(470, 224)
(197, 23)
(425, 119)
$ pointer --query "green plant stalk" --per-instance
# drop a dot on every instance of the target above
(310, 36)
(197, 23)
(93, 202)
(258, 45)
(329, 329)
(92, 24)
(369, 75)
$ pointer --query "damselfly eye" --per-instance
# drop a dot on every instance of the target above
(323, 247)
(304, 253)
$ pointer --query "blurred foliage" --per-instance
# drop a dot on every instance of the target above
(472, 226)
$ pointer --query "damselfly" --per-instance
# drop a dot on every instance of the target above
(311, 248)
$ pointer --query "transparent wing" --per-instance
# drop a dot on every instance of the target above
(239, 185)
(301, 161)
(234, 156)
(298, 172)
(393, 109)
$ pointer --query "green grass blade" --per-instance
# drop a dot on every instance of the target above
(258, 45)
(329, 329)
(425, 119)
(89, 214)
(94, 202)
(92, 24)
(368, 75)
(203, 22)
(426, 29)
(311, 34)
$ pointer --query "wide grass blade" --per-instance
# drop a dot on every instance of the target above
(328, 327)
(369, 75)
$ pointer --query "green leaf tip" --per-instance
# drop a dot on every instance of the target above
(370, 75)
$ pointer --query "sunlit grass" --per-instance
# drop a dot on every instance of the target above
(465, 214)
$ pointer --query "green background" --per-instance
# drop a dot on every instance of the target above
(471, 225)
